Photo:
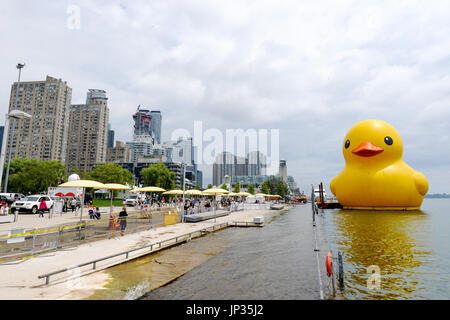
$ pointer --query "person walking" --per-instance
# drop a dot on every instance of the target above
(65, 205)
(73, 204)
(42, 207)
(123, 220)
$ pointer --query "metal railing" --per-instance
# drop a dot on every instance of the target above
(185, 237)
(329, 265)
(16, 248)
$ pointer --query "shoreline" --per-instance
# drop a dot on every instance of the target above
(21, 280)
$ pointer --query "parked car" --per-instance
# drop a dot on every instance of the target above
(132, 200)
(31, 203)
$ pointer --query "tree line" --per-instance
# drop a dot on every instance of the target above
(273, 186)
(33, 176)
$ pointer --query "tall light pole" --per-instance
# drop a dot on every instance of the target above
(14, 114)
(184, 187)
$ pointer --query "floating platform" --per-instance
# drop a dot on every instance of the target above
(276, 206)
(329, 205)
(196, 217)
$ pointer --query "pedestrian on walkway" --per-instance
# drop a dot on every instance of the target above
(123, 220)
(65, 205)
(73, 204)
(42, 207)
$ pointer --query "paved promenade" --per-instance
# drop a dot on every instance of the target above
(20, 281)
(28, 220)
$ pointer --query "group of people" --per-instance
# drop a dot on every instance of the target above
(72, 203)
(122, 220)
(94, 213)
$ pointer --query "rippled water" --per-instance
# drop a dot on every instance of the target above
(411, 250)
(273, 262)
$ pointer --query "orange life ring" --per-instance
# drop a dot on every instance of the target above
(329, 264)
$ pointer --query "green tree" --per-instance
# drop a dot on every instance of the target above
(210, 186)
(251, 189)
(265, 187)
(109, 173)
(237, 189)
(224, 186)
(31, 175)
(281, 189)
(157, 175)
(197, 187)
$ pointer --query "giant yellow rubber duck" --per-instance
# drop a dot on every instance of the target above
(375, 176)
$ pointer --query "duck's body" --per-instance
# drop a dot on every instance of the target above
(375, 176)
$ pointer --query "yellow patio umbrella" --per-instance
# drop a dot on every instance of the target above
(173, 192)
(261, 195)
(233, 194)
(83, 184)
(150, 189)
(214, 192)
(244, 194)
(114, 186)
(193, 192)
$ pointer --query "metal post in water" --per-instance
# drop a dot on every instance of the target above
(341, 272)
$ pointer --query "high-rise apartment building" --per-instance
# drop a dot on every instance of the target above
(256, 163)
(155, 125)
(283, 170)
(118, 154)
(110, 143)
(140, 146)
(2, 130)
(44, 135)
(96, 96)
(142, 121)
(88, 134)
(224, 165)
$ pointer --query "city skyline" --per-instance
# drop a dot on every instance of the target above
(238, 65)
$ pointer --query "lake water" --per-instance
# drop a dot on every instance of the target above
(410, 250)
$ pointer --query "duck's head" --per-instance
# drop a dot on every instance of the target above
(372, 142)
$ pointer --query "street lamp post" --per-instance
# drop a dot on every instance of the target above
(14, 114)
(184, 188)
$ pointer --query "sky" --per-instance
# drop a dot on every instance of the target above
(311, 69)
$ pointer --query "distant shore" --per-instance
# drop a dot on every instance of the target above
(437, 196)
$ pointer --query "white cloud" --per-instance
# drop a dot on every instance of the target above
(312, 69)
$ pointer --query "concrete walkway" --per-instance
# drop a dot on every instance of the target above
(20, 281)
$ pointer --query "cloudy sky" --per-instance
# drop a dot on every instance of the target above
(311, 69)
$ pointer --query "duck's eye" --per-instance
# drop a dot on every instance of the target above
(388, 140)
(347, 144)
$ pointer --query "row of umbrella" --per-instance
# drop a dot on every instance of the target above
(115, 186)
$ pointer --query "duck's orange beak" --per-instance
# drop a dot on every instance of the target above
(366, 149)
